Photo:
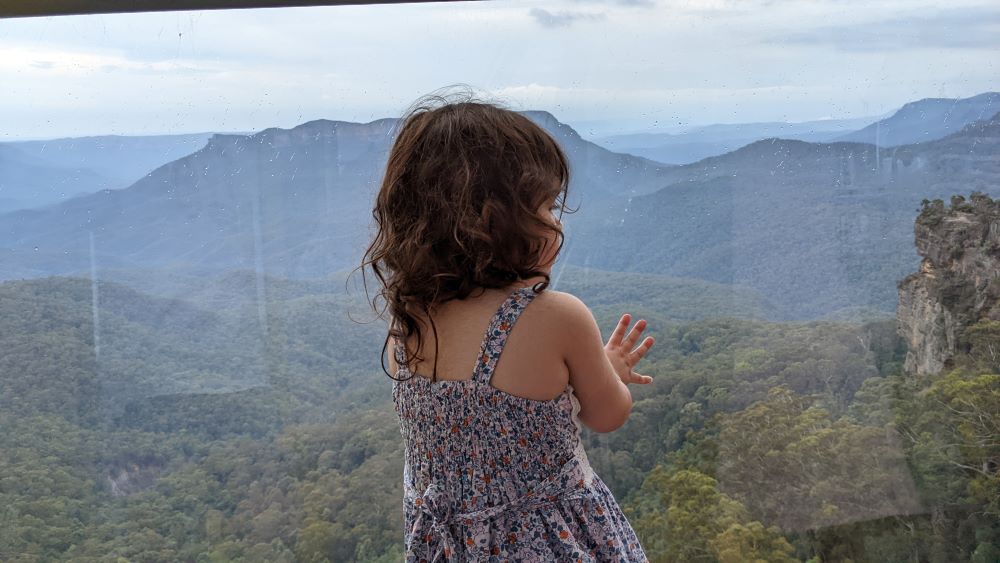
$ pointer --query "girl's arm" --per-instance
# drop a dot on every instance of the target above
(599, 372)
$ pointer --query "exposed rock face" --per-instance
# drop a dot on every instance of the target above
(132, 478)
(958, 283)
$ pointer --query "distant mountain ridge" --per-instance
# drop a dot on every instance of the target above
(27, 181)
(37, 173)
(713, 140)
(294, 202)
(815, 227)
(914, 122)
(927, 120)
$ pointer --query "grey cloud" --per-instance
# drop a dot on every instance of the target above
(563, 18)
(949, 30)
(44, 65)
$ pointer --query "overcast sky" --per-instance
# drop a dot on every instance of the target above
(602, 66)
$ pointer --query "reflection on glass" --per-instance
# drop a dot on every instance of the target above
(802, 200)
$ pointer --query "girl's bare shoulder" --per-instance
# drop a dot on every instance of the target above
(562, 309)
(559, 300)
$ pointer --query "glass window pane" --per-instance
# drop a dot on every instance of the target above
(800, 198)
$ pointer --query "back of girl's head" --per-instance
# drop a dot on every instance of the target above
(458, 208)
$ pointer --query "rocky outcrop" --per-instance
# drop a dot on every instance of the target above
(132, 477)
(957, 285)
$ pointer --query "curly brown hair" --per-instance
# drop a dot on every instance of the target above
(458, 210)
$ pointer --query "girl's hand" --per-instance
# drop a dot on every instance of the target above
(623, 356)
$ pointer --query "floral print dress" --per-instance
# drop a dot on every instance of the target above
(490, 476)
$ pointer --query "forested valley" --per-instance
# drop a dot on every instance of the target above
(188, 373)
(236, 433)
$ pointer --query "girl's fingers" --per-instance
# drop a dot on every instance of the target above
(641, 379)
(634, 334)
(619, 333)
(641, 350)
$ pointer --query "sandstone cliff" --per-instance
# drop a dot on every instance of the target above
(949, 306)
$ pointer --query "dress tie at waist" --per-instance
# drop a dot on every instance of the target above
(436, 503)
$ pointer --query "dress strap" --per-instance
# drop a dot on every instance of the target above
(498, 330)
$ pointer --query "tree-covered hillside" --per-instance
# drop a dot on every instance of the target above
(201, 435)
(180, 409)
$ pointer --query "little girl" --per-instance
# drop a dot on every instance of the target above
(467, 230)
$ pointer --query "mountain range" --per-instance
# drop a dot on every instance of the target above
(915, 122)
(295, 203)
(37, 173)
(926, 120)
(816, 230)
(815, 227)
(43, 172)
(713, 140)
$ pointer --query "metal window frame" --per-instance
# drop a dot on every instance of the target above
(37, 8)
